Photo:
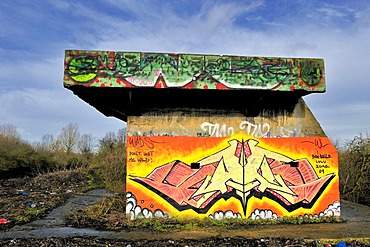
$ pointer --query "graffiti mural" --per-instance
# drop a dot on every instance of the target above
(181, 161)
(239, 176)
(163, 70)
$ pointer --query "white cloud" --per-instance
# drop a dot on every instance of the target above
(332, 11)
(47, 73)
(37, 112)
(60, 4)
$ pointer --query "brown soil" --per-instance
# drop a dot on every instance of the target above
(26, 199)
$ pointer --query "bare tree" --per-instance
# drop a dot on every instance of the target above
(68, 137)
(86, 144)
(47, 142)
(9, 130)
(108, 141)
(121, 135)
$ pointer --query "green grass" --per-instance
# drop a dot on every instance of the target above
(30, 214)
(171, 224)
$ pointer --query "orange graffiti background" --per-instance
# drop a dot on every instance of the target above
(145, 154)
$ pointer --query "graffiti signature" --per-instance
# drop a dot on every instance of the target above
(318, 143)
(142, 141)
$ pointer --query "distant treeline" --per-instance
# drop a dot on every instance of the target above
(103, 159)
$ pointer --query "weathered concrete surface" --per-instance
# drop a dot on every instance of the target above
(299, 122)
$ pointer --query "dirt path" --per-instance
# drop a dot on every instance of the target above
(57, 217)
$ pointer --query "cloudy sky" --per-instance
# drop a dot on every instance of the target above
(35, 33)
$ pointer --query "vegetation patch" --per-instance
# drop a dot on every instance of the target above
(110, 215)
(30, 198)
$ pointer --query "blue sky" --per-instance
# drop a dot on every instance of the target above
(35, 33)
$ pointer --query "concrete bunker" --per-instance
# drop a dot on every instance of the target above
(214, 135)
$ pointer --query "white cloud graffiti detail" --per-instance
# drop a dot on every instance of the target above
(136, 212)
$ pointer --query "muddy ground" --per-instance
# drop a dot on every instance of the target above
(25, 200)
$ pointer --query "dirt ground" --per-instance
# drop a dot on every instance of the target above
(214, 241)
(23, 200)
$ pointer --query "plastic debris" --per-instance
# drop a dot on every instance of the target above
(341, 244)
(31, 204)
(4, 221)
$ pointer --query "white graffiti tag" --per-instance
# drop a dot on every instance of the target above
(257, 130)
(217, 130)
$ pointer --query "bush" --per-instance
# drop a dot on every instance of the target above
(354, 170)
(17, 158)
(109, 168)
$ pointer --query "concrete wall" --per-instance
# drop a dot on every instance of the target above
(194, 122)
(200, 164)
